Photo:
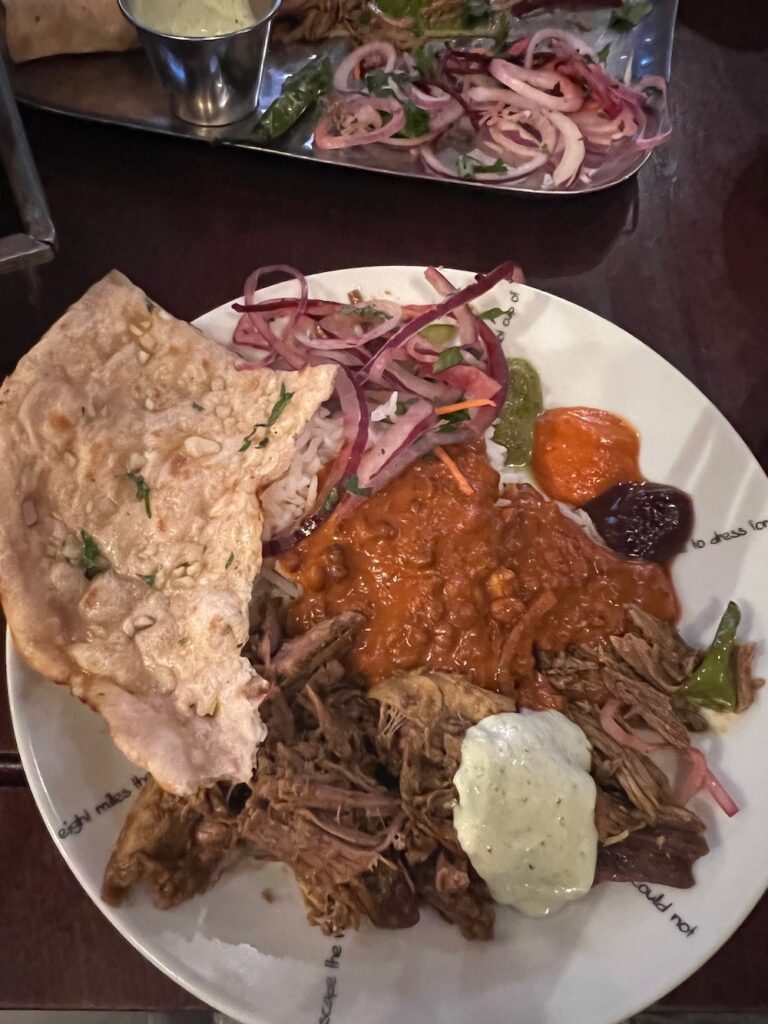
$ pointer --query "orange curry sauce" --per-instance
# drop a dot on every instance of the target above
(455, 582)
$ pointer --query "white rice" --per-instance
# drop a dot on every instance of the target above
(288, 500)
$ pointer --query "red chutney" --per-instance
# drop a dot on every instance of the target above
(454, 582)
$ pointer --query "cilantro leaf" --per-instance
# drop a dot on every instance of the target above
(92, 561)
(400, 409)
(229, 562)
(602, 55)
(368, 310)
(198, 407)
(416, 122)
(142, 491)
(450, 357)
(468, 167)
(351, 484)
(626, 17)
(379, 82)
(451, 418)
(149, 580)
(279, 406)
(274, 416)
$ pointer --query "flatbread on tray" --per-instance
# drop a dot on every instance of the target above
(130, 528)
(42, 28)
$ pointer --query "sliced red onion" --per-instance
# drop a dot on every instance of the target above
(464, 317)
(282, 344)
(400, 436)
(483, 284)
(569, 38)
(699, 775)
(537, 85)
(337, 323)
(610, 726)
(325, 139)
(487, 94)
(438, 123)
(434, 391)
(428, 101)
(541, 122)
(433, 161)
(572, 158)
(279, 307)
(346, 68)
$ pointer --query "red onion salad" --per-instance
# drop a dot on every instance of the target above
(548, 106)
(381, 348)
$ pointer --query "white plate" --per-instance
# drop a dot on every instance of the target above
(601, 959)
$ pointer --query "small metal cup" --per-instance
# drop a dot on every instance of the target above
(211, 80)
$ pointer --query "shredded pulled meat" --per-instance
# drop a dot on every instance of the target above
(353, 787)
(177, 845)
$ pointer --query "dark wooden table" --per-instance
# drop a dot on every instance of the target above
(678, 257)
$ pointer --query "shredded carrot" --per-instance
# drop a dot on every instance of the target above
(358, 72)
(463, 484)
(473, 403)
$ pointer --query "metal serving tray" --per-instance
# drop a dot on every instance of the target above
(121, 89)
(35, 244)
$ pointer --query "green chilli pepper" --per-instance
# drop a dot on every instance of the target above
(518, 415)
(713, 684)
(298, 94)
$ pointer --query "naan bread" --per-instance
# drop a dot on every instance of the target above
(41, 28)
(152, 639)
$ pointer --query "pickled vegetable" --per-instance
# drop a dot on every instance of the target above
(517, 421)
(579, 453)
(713, 684)
(648, 521)
(299, 92)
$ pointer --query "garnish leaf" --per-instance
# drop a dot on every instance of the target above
(400, 408)
(229, 562)
(379, 82)
(351, 484)
(451, 418)
(149, 580)
(602, 55)
(92, 561)
(450, 357)
(198, 407)
(468, 167)
(416, 122)
(279, 406)
(626, 17)
(368, 310)
(142, 491)
(274, 416)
